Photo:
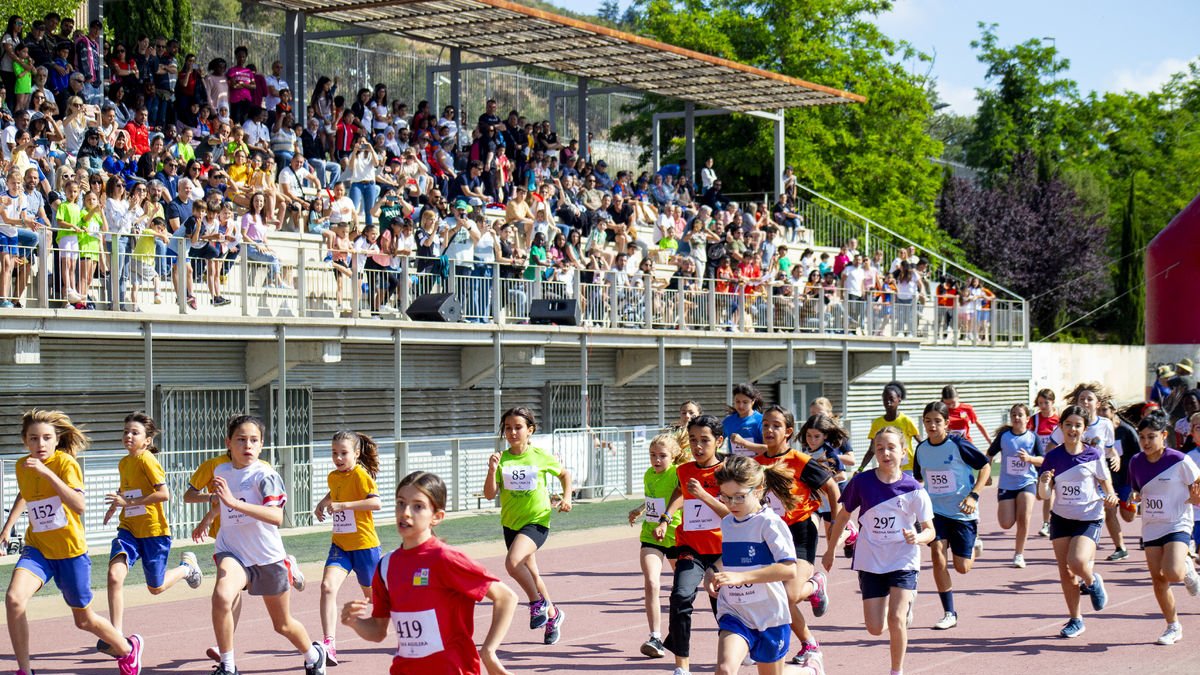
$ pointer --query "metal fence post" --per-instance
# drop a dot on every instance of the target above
(822, 311)
(182, 270)
(627, 437)
(288, 461)
(301, 284)
(613, 305)
(455, 473)
(114, 273)
(244, 264)
(401, 460)
(356, 289)
(648, 300)
(496, 292)
(713, 320)
(954, 322)
(402, 289)
(43, 278)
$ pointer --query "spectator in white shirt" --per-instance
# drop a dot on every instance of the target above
(707, 175)
(853, 280)
(258, 136)
(275, 84)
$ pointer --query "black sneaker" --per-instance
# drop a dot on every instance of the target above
(1119, 554)
(317, 668)
(653, 648)
(554, 625)
(222, 670)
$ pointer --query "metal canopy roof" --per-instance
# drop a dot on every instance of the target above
(502, 29)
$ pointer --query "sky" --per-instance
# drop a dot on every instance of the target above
(1113, 45)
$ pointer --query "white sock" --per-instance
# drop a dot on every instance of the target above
(227, 661)
(656, 635)
(311, 656)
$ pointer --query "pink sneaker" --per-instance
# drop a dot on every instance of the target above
(131, 663)
(820, 597)
(330, 651)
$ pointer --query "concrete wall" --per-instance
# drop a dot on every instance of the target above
(1122, 368)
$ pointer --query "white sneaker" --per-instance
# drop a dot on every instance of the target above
(1019, 561)
(978, 548)
(1045, 531)
(950, 620)
(1173, 634)
(195, 575)
(681, 671)
(1192, 583)
(294, 570)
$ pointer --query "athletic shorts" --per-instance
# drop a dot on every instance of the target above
(766, 646)
(270, 579)
(1003, 495)
(960, 534)
(537, 533)
(362, 562)
(669, 551)
(206, 252)
(880, 585)
(73, 576)
(1196, 533)
(804, 536)
(1066, 527)
(1181, 537)
(8, 244)
(826, 516)
(152, 551)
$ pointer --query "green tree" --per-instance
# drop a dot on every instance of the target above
(873, 156)
(33, 10)
(168, 18)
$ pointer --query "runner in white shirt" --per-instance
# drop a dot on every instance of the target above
(1167, 483)
(1194, 455)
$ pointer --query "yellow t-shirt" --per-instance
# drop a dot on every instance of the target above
(239, 174)
(54, 530)
(906, 427)
(353, 530)
(141, 475)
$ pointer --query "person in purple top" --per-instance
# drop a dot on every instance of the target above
(1166, 482)
(895, 520)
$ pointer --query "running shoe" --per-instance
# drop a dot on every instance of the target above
(1072, 628)
(1119, 554)
(554, 626)
(294, 572)
(131, 663)
(1173, 634)
(213, 653)
(653, 648)
(106, 649)
(1192, 583)
(1045, 531)
(317, 668)
(222, 670)
(1019, 561)
(950, 620)
(195, 575)
(978, 550)
(538, 614)
(330, 652)
(820, 597)
(681, 671)
(808, 653)
(1099, 595)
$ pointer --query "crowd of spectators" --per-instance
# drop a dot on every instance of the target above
(129, 157)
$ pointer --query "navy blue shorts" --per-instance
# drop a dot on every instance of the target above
(873, 585)
(1002, 495)
(766, 646)
(362, 562)
(1196, 533)
(73, 576)
(1181, 537)
(960, 534)
(1065, 527)
(152, 551)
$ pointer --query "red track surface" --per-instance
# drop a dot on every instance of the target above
(1009, 620)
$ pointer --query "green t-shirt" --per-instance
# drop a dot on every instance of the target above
(785, 265)
(659, 487)
(389, 212)
(524, 497)
(69, 215)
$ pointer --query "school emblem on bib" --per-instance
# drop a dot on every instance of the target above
(421, 577)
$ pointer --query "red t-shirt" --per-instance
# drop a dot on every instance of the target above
(1044, 428)
(809, 476)
(430, 599)
(700, 530)
(961, 420)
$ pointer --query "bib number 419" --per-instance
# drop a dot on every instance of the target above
(408, 629)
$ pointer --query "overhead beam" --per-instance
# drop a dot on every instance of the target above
(763, 363)
(346, 32)
(472, 65)
(262, 358)
(633, 363)
(681, 114)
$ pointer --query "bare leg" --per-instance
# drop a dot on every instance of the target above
(278, 607)
(330, 584)
(231, 579)
(651, 572)
(117, 571)
(21, 588)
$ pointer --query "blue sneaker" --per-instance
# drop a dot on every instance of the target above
(1099, 595)
(1073, 628)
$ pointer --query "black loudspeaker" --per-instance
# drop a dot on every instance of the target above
(558, 312)
(435, 307)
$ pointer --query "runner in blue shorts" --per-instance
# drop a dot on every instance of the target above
(1020, 457)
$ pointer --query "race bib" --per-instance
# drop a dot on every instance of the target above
(697, 516)
(940, 482)
(131, 511)
(344, 522)
(655, 508)
(884, 529)
(744, 594)
(773, 502)
(1047, 441)
(1155, 509)
(417, 634)
(1016, 466)
(958, 433)
(47, 514)
(1070, 492)
(232, 517)
(741, 450)
(522, 478)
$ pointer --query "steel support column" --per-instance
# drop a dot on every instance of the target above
(581, 111)
(689, 140)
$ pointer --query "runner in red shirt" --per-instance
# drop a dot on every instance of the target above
(428, 591)
(962, 416)
(1043, 423)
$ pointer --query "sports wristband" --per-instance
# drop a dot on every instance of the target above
(974, 495)
(664, 518)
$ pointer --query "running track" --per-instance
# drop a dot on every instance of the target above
(1009, 620)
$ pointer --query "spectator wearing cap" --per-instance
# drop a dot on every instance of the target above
(1161, 388)
(713, 197)
(41, 45)
(603, 180)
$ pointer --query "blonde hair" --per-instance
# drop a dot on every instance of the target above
(71, 439)
(679, 454)
(1103, 396)
(776, 478)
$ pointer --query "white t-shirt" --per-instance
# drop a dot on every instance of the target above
(460, 249)
(1099, 433)
(256, 132)
(278, 84)
(885, 510)
(13, 210)
(1164, 487)
(759, 540)
(252, 541)
(1077, 482)
(342, 211)
(855, 276)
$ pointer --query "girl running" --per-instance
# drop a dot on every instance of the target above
(1090, 396)
(812, 484)
(744, 421)
(894, 394)
(757, 560)
(698, 536)
(1075, 473)
(944, 463)
(1125, 448)
(896, 519)
(687, 411)
(660, 483)
(1167, 484)
(429, 590)
(821, 437)
(249, 551)
(1020, 456)
(351, 502)
(961, 415)
(519, 476)
(143, 532)
(1044, 422)
(1194, 455)
(821, 406)
(50, 485)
